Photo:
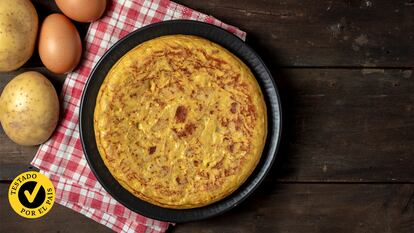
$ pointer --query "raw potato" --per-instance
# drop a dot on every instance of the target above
(18, 31)
(29, 109)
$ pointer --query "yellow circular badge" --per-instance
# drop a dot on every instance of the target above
(31, 194)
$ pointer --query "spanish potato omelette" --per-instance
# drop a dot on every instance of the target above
(180, 121)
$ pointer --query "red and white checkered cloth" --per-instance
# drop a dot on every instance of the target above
(61, 158)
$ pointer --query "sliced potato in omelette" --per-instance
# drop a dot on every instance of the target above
(180, 122)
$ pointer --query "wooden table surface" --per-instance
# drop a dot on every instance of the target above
(346, 161)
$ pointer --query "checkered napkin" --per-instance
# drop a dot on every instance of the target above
(61, 158)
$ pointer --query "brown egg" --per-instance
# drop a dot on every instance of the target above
(60, 46)
(81, 10)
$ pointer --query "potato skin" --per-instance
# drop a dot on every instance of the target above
(18, 31)
(29, 109)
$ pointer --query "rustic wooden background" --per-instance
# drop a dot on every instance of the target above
(346, 162)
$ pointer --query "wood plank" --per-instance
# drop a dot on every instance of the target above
(346, 125)
(274, 208)
(340, 125)
(317, 208)
(60, 219)
(327, 33)
(302, 33)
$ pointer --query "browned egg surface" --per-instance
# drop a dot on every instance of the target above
(180, 122)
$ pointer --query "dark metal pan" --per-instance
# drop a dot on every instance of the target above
(212, 33)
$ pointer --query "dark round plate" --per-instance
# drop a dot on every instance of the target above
(219, 36)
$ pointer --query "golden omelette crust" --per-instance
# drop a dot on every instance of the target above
(180, 122)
